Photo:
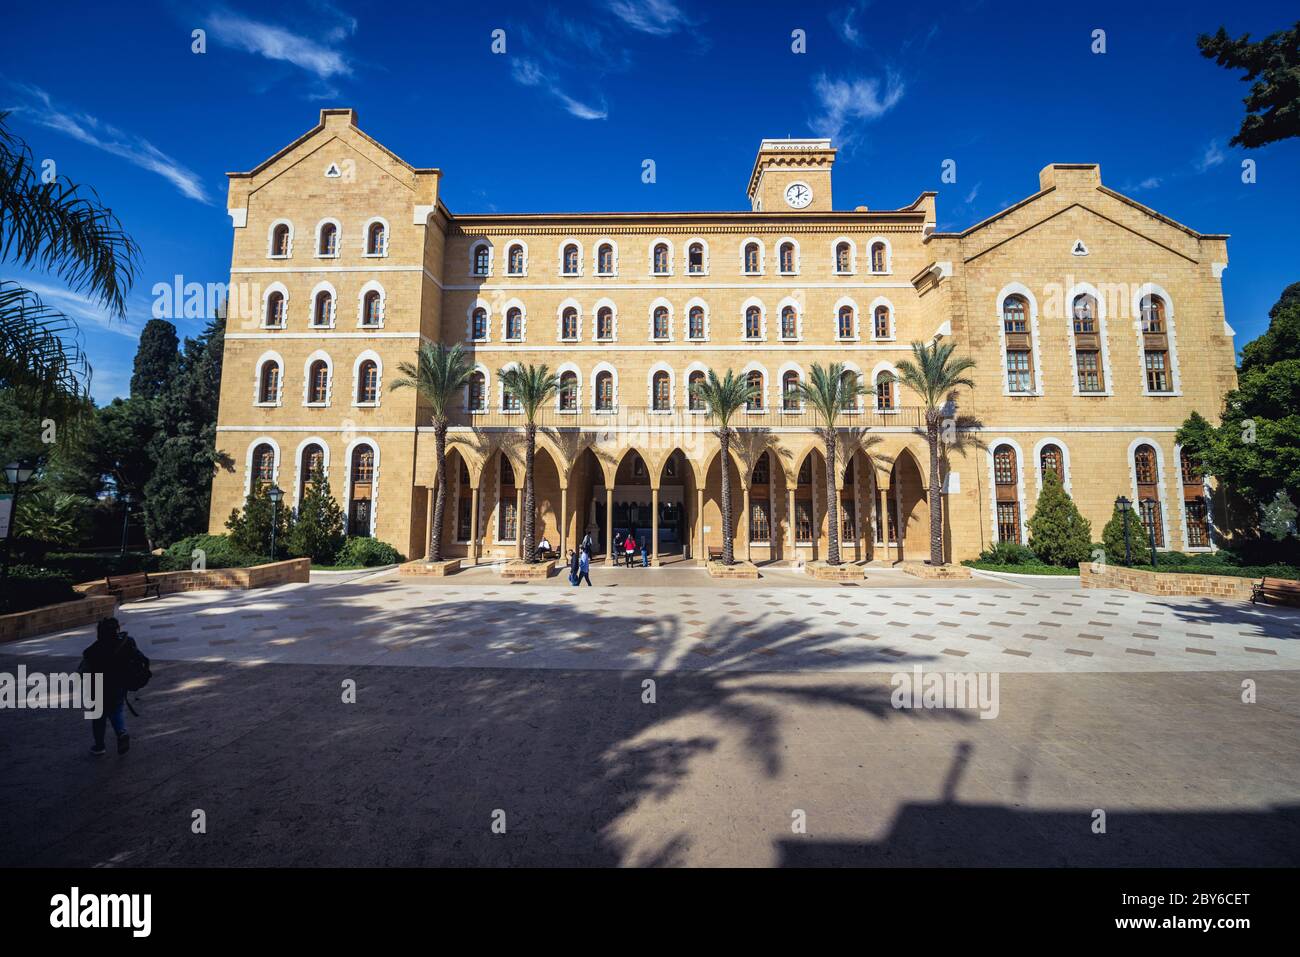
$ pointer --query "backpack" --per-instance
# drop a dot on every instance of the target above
(134, 670)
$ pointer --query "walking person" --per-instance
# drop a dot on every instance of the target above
(629, 550)
(116, 656)
(587, 544)
(584, 569)
(573, 567)
(645, 555)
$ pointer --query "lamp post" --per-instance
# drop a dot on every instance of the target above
(126, 514)
(275, 494)
(18, 474)
(1123, 504)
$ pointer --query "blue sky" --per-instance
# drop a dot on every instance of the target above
(588, 89)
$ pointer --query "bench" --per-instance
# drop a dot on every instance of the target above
(715, 553)
(119, 584)
(1276, 591)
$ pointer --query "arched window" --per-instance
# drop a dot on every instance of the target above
(368, 382)
(604, 323)
(878, 263)
(477, 398)
(1087, 344)
(1195, 507)
(695, 259)
(661, 264)
(280, 240)
(275, 309)
(478, 324)
(849, 401)
(571, 259)
(785, 256)
(569, 323)
(886, 389)
(605, 259)
(753, 259)
(604, 391)
(264, 464)
(311, 466)
(329, 240)
(482, 259)
(844, 327)
(695, 322)
(754, 380)
(376, 240)
(569, 392)
(371, 313)
(268, 387)
(515, 260)
(1050, 459)
(843, 258)
(661, 388)
(1006, 482)
(362, 497)
(753, 323)
(1146, 468)
(1155, 345)
(789, 323)
(514, 323)
(1015, 326)
(693, 382)
(318, 382)
(880, 321)
(661, 327)
(790, 391)
(322, 313)
(508, 506)
(509, 401)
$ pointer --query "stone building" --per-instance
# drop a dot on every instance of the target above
(1096, 325)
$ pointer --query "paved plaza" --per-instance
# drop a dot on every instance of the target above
(771, 705)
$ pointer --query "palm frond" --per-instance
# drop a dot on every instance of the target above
(829, 390)
(41, 355)
(934, 374)
(437, 375)
(531, 385)
(725, 396)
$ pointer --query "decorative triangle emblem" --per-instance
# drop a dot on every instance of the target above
(332, 171)
(1079, 248)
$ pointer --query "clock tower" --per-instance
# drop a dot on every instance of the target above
(792, 176)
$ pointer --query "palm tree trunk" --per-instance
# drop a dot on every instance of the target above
(530, 545)
(832, 503)
(936, 489)
(728, 553)
(439, 491)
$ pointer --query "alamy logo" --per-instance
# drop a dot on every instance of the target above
(36, 690)
(72, 910)
(938, 690)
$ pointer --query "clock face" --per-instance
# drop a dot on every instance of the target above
(798, 195)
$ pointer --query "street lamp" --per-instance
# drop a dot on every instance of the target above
(126, 514)
(275, 494)
(18, 474)
(1123, 504)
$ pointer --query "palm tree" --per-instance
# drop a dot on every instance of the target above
(438, 375)
(59, 228)
(531, 386)
(934, 375)
(829, 391)
(724, 398)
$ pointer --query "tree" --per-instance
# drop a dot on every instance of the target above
(934, 375)
(48, 519)
(531, 386)
(1278, 517)
(155, 359)
(1272, 66)
(1112, 537)
(828, 392)
(724, 398)
(437, 375)
(1058, 534)
(250, 530)
(318, 531)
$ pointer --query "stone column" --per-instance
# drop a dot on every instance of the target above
(428, 518)
(654, 527)
(519, 522)
(749, 544)
(789, 521)
(898, 524)
(857, 516)
(473, 526)
(564, 519)
(817, 525)
(699, 521)
(609, 527)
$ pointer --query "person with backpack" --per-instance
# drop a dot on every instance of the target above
(584, 569)
(116, 656)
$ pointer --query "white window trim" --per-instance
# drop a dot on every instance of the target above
(1175, 376)
(356, 380)
(893, 321)
(560, 373)
(762, 253)
(320, 287)
(505, 321)
(1010, 289)
(565, 244)
(298, 477)
(595, 321)
(691, 369)
(1161, 478)
(469, 320)
(248, 463)
(797, 257)
(859, 408)
(650, 389)
(664, 240)
(662, 303)
(491, 259)
(257, 381)
(365, 238)
(853, 257)
(374, 482)
(501, 392)
(524, 247)
(694, 303)
(487, 391)
(993, 488)
(1038, 463)
(595, 374)
(1081, 289)
(595, 258)
(559, 321)
(338, 239)
(1182, 507)
(266, 299)
(758, 367)
(270, 239)
(891, 369)
(856, 332)
(319, 354)
(798, 320)
(372, 286)
(686, 264)
(889, 256)
(762, 319)
(780, 388)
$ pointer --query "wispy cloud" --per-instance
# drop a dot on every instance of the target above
(84, 309)
(659, 18)
(975, 191)
(846, 104)
(528, 73)
(1212, 156)
(845, 22)
(92, 131)
(318, 57)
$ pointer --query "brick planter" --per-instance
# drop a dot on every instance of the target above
(1227, 587)
(519, 570)
(740, 570)
(835, 573)
(258, 576)
(448, 566)
(67, 614)
(936, 572)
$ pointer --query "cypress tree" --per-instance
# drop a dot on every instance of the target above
(1058, 534)
(318, 531)
(1112, 538)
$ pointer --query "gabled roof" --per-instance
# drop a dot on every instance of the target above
(351, 116)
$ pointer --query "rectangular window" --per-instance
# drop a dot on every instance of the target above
(760, 523)
(1198, 526)
(507, 523)
(1149, 509)
(1020, 377)
(848, 526)
(1157, 373)
(1008, 522)
(802, 520)
(1089, 371)
(463, 516)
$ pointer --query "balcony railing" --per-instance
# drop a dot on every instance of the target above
(626, 418)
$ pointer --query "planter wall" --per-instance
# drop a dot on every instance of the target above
(1161, 583)
(258, 576)
(67, 614)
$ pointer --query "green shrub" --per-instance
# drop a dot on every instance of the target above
(219, 551)
(1058, 534)
(250, 530)
(88, 566)
(1112, 537)
(317, 531)
(30, 586)
(368, 552)
(1008, 553)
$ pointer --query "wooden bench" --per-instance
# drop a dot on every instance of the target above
(119, 584)
(1276, 591)
(715, 553)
